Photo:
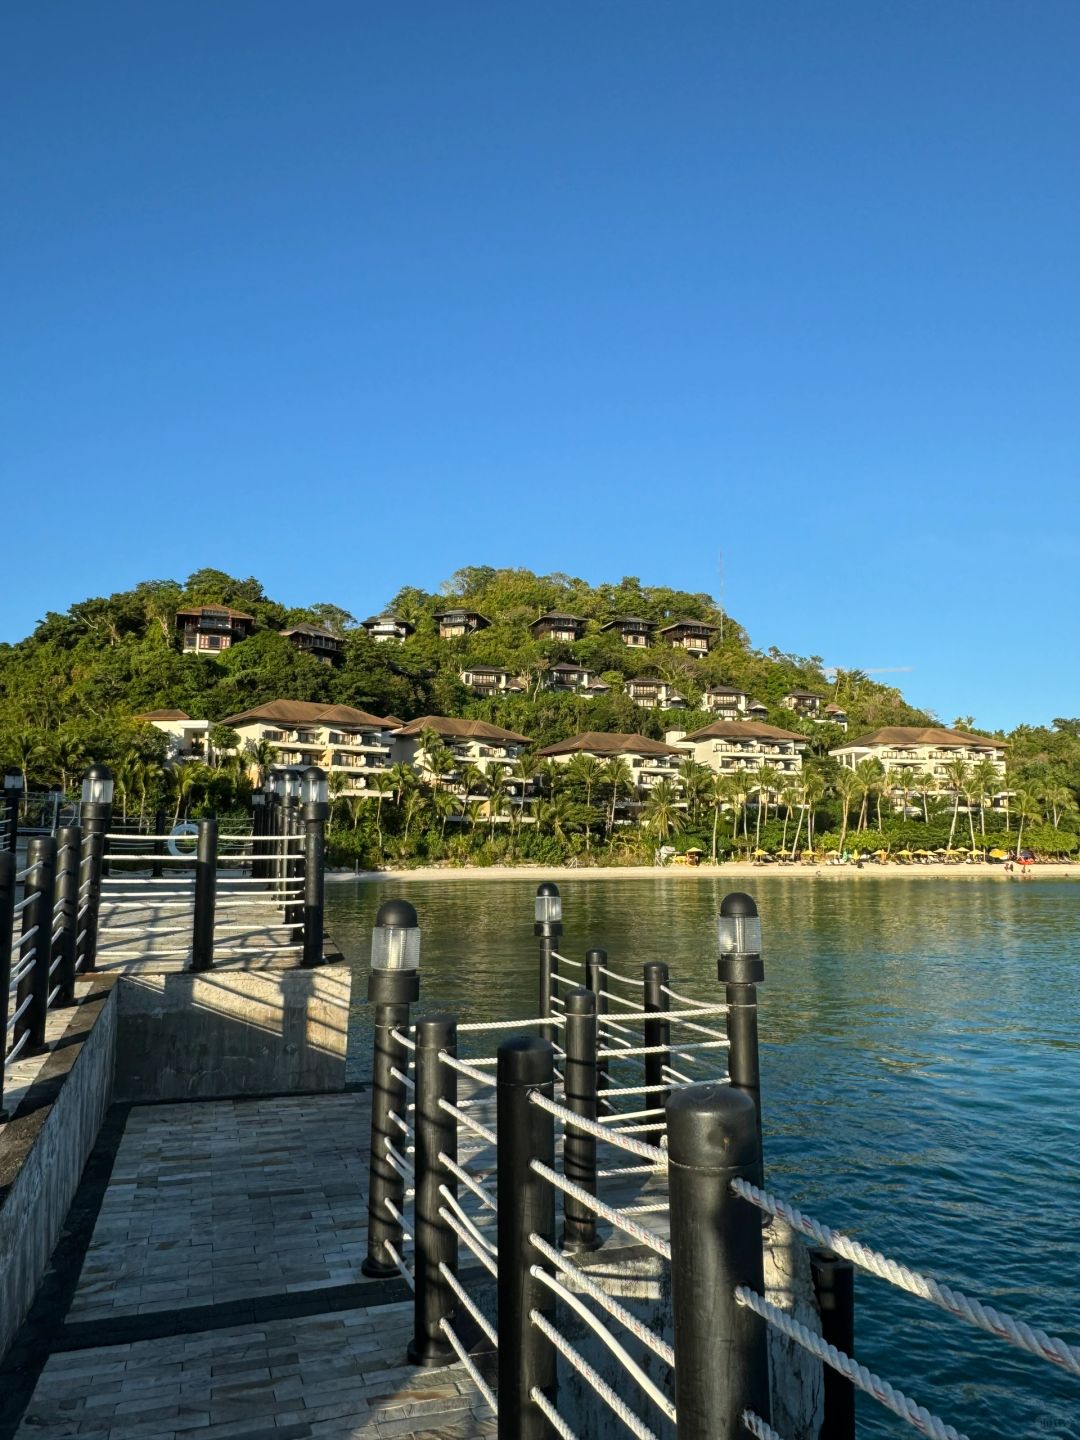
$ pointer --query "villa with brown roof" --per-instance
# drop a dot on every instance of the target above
(803, 702)
(488, 680)
(455, 624)
(557, 626)
(470, 742)
(209, 629)
(921, 749)
(340, 738)
(387, 626)
(649, 692)
(187, 738)
(319, 643)
(693, 636)
(634, 632)
(726, 701)
(649, 760)
(735, 746)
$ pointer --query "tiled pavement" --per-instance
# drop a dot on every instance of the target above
(210, 1205)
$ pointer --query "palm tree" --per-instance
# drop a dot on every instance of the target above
(1028, 808)
(814, 791)
(382, 785)
(985, 781)
(558, 814)
(185, 778)
(868, 773)
(696, 782)
(924, 786)
(661, 811)
(355, 805)
(586, 771)
(336, 784)
(403, 778)
(26, 748)
(720, 794)
(846, 786)
(70, 756)
(498, 791)
(414, 804)
(444, 805)
(472, 782)
(956, 779)
(789, 798)
(522, 774)
(618, 780)
(261, 756)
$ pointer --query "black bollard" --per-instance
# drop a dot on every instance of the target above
(579, 1094)
(202, 927)
(68, 857)
(548, 930)
(526, 1063)
(721, 1348)
(740, 969)
(834, 1287)
(7, 920)
(314, 794)
(95, 817)
(393, 985)
(37, 926)
(436, 1243)
(157, 869)
(595, 963)
(657, 1032)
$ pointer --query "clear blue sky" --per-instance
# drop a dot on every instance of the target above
(347, 295)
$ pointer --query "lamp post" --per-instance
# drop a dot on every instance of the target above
(95, 816)
(314, 796)
(294, 903)
(740, 969)
(13, 786)
(393, 985)
(258, 833)
(547, 928)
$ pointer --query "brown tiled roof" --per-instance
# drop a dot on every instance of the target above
(558, 615)
(603, 742)
(724, 690)
(198, 610)
(388, 615)
(924, 735)
(164, 715)
(678, 624)
(803, 694)
(629, 620)
(451, 729)
(308, 712)
(305, 629)
(744, 730)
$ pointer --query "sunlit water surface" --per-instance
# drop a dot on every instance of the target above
(920, 1048)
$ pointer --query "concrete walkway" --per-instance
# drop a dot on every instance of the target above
(221, 1294)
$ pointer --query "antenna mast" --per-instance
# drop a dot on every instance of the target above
(720, 569)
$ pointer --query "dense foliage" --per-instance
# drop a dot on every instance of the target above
(70, 691)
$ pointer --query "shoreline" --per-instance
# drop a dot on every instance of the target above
(738, 869)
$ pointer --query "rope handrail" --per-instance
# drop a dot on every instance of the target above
(547, 1409)
(469, 1303)
(616, 1217)
(632, 1368)
(22, 904)
(478, 1026)
(864, 1379)
(399, 1161)
(676, 1049)
(403, 1039)
(13, 1053)
(611, 1091)
(469, 1364)
(586, 1371)
(681, 1017)
(566, 960)
(618, 1312)
(406, 1273)
(625, 979)
(20, 1012)
(398, 1216)
(401, 1124)
(406, 1080)
(619, 1000)
(674, 994)
(602, 1132)
(482, 1193)
(759, 1428)
(677, 1075)
(953, 1302)
(463, 1235)
(469, 1122)
(22, 874)
(464, 1068)
(621, 1115)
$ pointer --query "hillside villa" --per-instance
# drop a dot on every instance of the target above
(693, 636)
(634, 632)
(557, 626)
(208, 629)
(320, 644)
(727, 702)
(187, 738)
(455, 624)
(649, 761)
(736, 746)
(388, 626)
(649, 692)
(488, 680)
(341, 739)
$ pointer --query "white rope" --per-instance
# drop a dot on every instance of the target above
(677, 1075)
(865, 1380)
(482, 1193)
(405, 1079)
(618, 1312)
(402, 1039)
(470, 1225)
(626, 979)
(602, 1132)
(626, 1170)
(478, 1026)
(20, 1012)
(398, 1216)
(469, 1122)
(984, 1317)
(630, 1004)
(684, 999)
(462, 1234)
(586, 1371)
(758, 1427)
(558, 1424)
(468, 1362)
(396, 1118)
(52, 995)
(14, 1051)
(612, 1091)
(463, 1068)
(635, 1114)
(632, 1368)
(618, 1218)
(469, 1303)
(407, 1274)
(565, 960)
(398, 1161)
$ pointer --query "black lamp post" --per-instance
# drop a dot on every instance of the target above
(314, 797)
(548, 929)
(96, 816)
(393, 985)
(740, 969)
(13, 786)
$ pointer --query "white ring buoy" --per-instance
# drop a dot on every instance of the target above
(181, 831)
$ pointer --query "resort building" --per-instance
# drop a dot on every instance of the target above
(635, 633)
(649, 760)
(454, 624)
(835, 715)
(208, 629)
(488, 680)
(321, 644)
(693, 636)
(757, 710)
(576, 678)
(803, 702)
(388, 627)
(921, 750)
(556, 626)
(735, 746)
(725, 701)
(338, 737)
(649, 692)
(187, 738)
(470, 742)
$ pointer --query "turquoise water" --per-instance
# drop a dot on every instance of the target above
(921, 1040)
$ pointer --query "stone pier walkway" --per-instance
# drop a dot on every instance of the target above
(215, 1290)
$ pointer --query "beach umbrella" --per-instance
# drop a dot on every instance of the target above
(999, 854)
(924, 853)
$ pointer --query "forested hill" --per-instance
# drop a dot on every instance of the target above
(72, 687)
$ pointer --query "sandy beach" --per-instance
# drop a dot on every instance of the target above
(732, 870)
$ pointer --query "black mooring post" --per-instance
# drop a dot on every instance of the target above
(392, 988)
(158, 847)
(579, 1095)
(657, 1032)
(37, 927)
(595, 963)
(258, 832)
(314, 884)
(740, 969)
(834, 1286)
(294, 870)
(68, 858)
(526, 1063)
(436, 1243)
(12, 795)
(95, 817)
(721, 1348)
(7, 920)
(548, 930)
(202, 929)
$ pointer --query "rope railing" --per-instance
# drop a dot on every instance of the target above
(757, 1427)
(611, 1213)
(599, 1131)
(574, 1357)
(953, 1302)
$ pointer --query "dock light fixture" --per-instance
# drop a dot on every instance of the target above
(548, 906)
(97, 786)
(12, 781)
(739, 932)
(548, 929)
(740, 969)
(314, 793)
(395, 946)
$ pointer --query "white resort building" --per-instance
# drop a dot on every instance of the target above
(649, 760)
(921, 749)
(341, 739)
(470, 742)
(649, 692)
(488, 680)
(727, 702)
(187, 738)
(736, 746)
(388, 627)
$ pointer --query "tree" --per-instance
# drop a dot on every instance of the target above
(497, 790)
(618, 780)
(661, 811)
(586, 771)
(956, 779)
(336, 784)
(695, 781)
(846, 786)
(1027, 807)
(262, 756)
(869, 774)
(984, 781)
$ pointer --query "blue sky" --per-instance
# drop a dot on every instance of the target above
(349, 295)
